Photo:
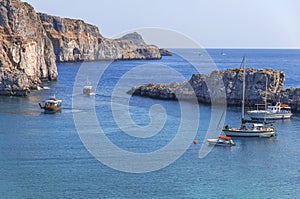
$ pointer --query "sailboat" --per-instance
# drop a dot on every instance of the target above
(222, 53)
(249, 128)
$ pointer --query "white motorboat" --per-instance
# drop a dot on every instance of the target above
(88, 90)
(277, 112)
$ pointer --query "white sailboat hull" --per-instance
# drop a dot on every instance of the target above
(248, 133)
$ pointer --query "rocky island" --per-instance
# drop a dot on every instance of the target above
(31, 43)
(227, 85)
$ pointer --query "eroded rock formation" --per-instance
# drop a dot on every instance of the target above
(75, 40)
(226, 84)
(26, 53)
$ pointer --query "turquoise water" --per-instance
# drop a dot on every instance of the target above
(42, 155)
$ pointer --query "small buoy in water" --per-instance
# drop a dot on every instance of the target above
(195, 141)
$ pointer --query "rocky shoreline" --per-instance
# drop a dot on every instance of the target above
(31, 43)
(226, 86)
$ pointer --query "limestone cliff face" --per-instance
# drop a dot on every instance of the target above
(26, 53)
(74, 40)
(255, 84)
(223, 84)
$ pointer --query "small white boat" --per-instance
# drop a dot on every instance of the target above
(88, 90)
(222, 141)
(222, 53)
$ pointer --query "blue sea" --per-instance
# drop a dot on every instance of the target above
(64, 155)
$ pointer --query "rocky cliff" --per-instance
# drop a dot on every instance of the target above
(31, 43)
(75, 40)
(224, 84)
(26, 53)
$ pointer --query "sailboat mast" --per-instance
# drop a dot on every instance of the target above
(266, 98)
(244, 88)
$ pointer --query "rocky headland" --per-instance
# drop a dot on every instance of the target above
(74, 40)
(31, 43)
(226, 85)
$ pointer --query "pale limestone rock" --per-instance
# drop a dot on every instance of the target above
(74, 40)
(25, 50)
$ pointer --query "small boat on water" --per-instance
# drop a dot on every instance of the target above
(88, 90)
(277, 112)
(51, 105)
(222, 141)
(222, 53)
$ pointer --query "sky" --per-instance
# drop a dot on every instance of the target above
(209, 23)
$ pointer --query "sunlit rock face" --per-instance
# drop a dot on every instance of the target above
(26, 53)
(74, 40)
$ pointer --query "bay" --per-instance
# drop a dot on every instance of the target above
(42, 155)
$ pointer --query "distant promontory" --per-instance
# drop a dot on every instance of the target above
(31, 43)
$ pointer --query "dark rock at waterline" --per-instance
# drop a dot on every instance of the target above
(165, 52)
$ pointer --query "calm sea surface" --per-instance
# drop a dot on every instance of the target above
(42, 155)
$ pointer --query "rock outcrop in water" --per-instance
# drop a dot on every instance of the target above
(226, 84)
(165, 52)
(26, 53)
(74, 40)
